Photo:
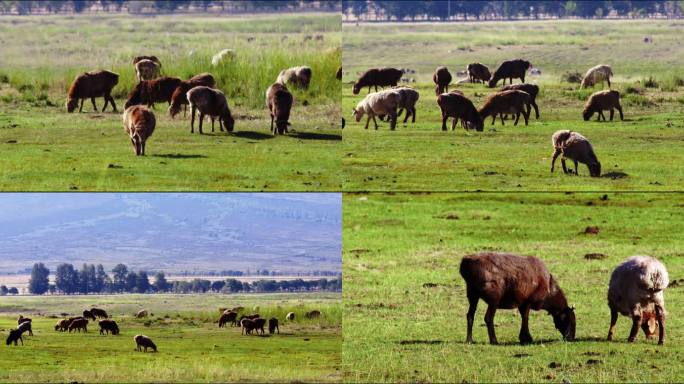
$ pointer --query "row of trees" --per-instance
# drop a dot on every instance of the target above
(94, 279)
(506, 9)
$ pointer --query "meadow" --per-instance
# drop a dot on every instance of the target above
(405, 301)
(191, 348)
(48, 149)
(639, 153)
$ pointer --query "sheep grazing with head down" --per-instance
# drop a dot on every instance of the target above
(409, 98)
(210, 102)
(530, 89)
(26, 327)
(146, 70)
(279, 101)
(377, 77)
(441, 78)
(597, 74)
(141, 313)
(139, 123)
(290, 316)
(90, 85)
(478, 72)
(379, 104)
(180, 94)
(458, 106)
(511, 69)
(226, 54)
(602, 101)
(148, 92)
(99, 313)
(247, 326)
(572, 145)
(273, 326)
(79, 324)
(142, 341)
(505, 102)
(259, 324)
(299, 77)
(227, 317)
(14, 336)
(107, 326)
(634, 285)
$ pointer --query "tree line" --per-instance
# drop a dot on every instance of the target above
(91, 279)
(442, 10)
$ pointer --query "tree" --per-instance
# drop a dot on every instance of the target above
(234, 285)
(66, 279)
(218, 285)
(131, 281)
(3, 290)
(101, 279)
(119, 273)
(39, 282)
(160, 283)
(143, 283)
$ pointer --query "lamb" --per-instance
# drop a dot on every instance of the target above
(180, 97)
(99, 313)
(14, 336)
(577, 148)
(601, 101)
(141, 313)
(478, 72)
(148, 92)
(506, 102)
(79, 324)
(338, 74)
(441, 78)
(459, 107)
(597, 74)
(146, 70)
(26, 327)
(379, 104)
(509, 281)
(221, 56)
(139, 123)
(226, 317)
(634, 285)
(530, 89)
(211, 102)
(107, 326)
(279, 102)
(375, 77)
(313, 314)
(511, 69)
(290, 316)
(88, 315)
(273, 326)
(142, 341)
(151, 58)
(90, 85)
(297, 76)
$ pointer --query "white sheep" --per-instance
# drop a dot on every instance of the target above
(298, 76)
(223, 55)
(634, 285)
(597, 74)
(379, 104)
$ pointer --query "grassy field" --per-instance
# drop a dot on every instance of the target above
(420, 156)
(191, 346)
(405, 302)
(48, 149)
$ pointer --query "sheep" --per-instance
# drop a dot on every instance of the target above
(211, 102)
(478, 72)
(107, 326)
(90, 85)
(635, 284)
(338, 74)
(148, 92)
(297, 76)
(290, 316)
(227, 317)
(441, 78)
(409, 98)
(26, 327)
(597, 75)
(577, 148)
(273, 326)
(142, 341)
(221, 56)
(22, 319)
(146, 70)
(14, 336)
(151, 58)
(259, 323)
(649, 321)
(88, 315)
(62, 325)
(139, 123)
(313, 314)
(601, 101)
(141, 313)
(251, 317)
(459, 107)
(382, 77)
(279, 102)
(506, 102)
(530, 89)
(511, 69)
(99, 313)
(510, 281)
(79, 324)
(379, 104)
(180, 97)
(247, 325)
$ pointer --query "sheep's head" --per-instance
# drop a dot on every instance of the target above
(356, 89)
(71, 104)
(174, 110)
(357, 114)
(587, 113)
(565, 323)
(228, 121)
(649, 324)
(492, 83)
(594, 169)
(477, 123)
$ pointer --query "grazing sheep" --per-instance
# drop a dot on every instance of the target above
(62, 325)
(509, 281)
(99, 313)
(296, 76)
(478, 72)
(338, 74)
(14, 336)
(146, 70)
(247, 325)
(26, 327)
(88, 315)
(141, 313)
(148, 92)
(227, 317)
(273, 326)
(211, 102)
(180, 98)
(313, 314)
(139, 123)
(290, 316)
(577, 148)
(634, 285)
(152, 58)
(377, 77)
(459, 107)
(512, 69)
(409, 98)
(506, 102)
(601, 101)
(279, 102)
(441, 78)
(259, 323)
(530, 89)
(597, 74)
(221, 56)
(79, 324)
(379, 104)
(22, 319)
(107, 326)
(649, 321)
(90, 85)
(251, 317)
(142, 341)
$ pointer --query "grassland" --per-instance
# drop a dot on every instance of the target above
(191, 346)
(640, 153)
(405, 302)
(48, 149)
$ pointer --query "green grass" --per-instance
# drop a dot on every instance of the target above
(421, 157)
(394, 244)
(52, 150)
(191, 346)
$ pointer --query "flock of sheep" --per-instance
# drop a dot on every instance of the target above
(199, 92)
(516, 99)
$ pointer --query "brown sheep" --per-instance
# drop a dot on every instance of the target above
(511, 69)
(88, 315)
(279, 102)
(99, 313)
(211, 102)
(576, 147)
(62, 325)
(146, 70)
(441, 78)
(509, 281)
(338, 74)
(247, 325)
(459, 107)
(153, 58)
(22, 319)
(259, 323)
(79, 324)
(530, 89)
(141, 313)
(296, 76)
(26, 327)
(382, 77)
(601, 101)
(148, 92)
(478, 72)
(180, 98)
(273, 326)
(14, 336)
(506, 102)
(313, 314)
(142, 341)
(139, 123)
(107, 326)
(227, 317)
(290, 316)
(90, 85)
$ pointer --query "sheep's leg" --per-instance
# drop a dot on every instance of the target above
(453, 124)
(105, 104)
(612, 113)
(608, 80)
(413, 114)
(619, 108)
(201, 119)
(576, 167)
(393, 120)
(111, 101)
(493, 119)
(375, 122)
(80, 109)
(444, 119)
(368, 121)
(526, 115)
(636, 324)
(92, 100)
(565, 168)
(135, 149)
(192, 120)
(472, 300)
(525, 337)
(501, 115)
(660, 316)
(489, 320)
(536, 109)
(271, 123)
(20, 339)
(142, 145)
(517, 118)
(212, 123)
(408, 114)
(553, 159)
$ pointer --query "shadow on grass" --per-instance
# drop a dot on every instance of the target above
(315, 136)
(252, 135)
(180, 156)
